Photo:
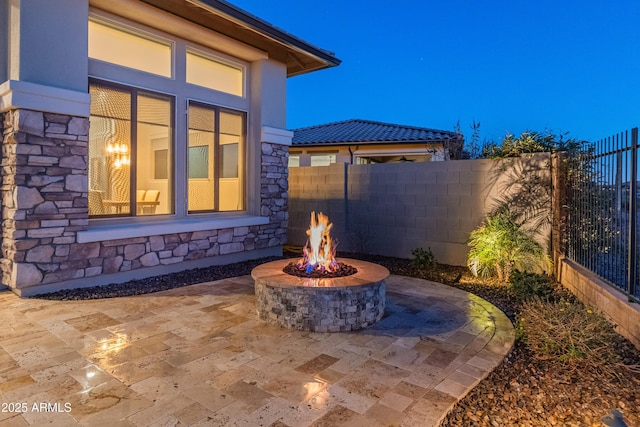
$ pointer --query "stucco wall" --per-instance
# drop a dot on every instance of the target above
(269, 92)
(391, 209)
(48, 43)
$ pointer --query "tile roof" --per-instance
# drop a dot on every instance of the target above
(366, 131)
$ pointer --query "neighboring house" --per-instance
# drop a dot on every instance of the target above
(141, 137)
(365, 141)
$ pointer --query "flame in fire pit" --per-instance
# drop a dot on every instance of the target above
(319, 252)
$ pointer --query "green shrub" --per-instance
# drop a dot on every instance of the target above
(520, 330)
(566, 332)
(526, 285)
(528, 142)
(423, 260)
(501, 244)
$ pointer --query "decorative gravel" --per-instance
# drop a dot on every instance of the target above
(522, 391)
(158, 283)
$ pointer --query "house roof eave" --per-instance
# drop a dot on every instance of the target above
(365, 143)
(299, 56)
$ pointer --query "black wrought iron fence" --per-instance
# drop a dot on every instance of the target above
(602, 210)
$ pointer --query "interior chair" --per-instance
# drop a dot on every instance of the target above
(139, 198)
(96, 207)
(150, 196)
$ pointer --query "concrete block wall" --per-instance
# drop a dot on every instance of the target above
(391, 209)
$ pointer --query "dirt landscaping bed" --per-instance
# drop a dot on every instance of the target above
(527, 391)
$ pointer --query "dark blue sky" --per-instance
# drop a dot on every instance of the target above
(563, 65)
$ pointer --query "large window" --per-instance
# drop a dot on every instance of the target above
(130, 152)
(152, 149)
(215, 159)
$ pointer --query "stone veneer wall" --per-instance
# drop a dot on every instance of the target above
(338, 304)
(2, 174)
(318, 309)
(274, 191)
(44, 195)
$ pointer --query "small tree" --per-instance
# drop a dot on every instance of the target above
(472, 149)
(501, 244)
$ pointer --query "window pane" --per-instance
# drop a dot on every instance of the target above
(229, 159)
(213, 74)
(199, 161)
(124, 48)
(322, 159)
(109, 151)
(294, 160)
(200, 158)
(216, 159)
(231, 167)
(116, 155)
(154, 194)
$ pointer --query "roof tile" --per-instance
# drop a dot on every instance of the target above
(357, 130)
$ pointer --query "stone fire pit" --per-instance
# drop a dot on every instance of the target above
(320, 305)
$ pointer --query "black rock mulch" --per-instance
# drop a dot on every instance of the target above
(521, 391)
(158, 283)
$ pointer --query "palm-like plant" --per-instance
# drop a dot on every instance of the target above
(501, 244)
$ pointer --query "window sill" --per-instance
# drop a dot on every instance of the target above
(100, 233)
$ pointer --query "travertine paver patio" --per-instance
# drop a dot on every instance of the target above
(198, 355)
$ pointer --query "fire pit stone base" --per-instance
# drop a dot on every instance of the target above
(339, 304)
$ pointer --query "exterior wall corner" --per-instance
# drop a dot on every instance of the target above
(44, 194)
(274, 193)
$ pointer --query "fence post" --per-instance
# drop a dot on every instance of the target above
(558, 209)
(633, 215)
(345, 199)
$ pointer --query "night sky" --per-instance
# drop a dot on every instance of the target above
(562, 65)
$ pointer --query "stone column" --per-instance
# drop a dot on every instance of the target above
(274, 194)
(44, 196)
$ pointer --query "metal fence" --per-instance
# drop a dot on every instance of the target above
(602, 210)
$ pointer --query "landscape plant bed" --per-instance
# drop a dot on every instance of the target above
(523, 390)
